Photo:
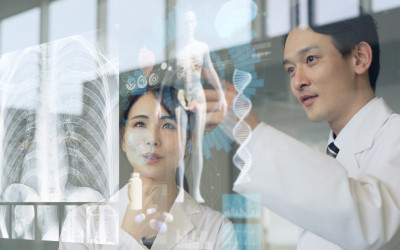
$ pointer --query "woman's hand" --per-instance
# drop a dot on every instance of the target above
(140, 223)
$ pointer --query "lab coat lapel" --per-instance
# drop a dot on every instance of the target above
(360, 136)
(181, 225)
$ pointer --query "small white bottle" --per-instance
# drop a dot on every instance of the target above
(135, 191)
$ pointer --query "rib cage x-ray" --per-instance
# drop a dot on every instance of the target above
(58, 114)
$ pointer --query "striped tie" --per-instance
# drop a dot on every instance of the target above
(332, 150)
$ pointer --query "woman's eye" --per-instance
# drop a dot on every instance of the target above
(168, 125)
(290, 70)
(139, 125)
(310, 59)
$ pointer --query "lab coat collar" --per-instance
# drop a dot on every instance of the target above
(358, 134)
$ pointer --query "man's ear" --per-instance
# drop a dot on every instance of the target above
(363, 54)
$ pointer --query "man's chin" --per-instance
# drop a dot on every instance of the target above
(315, 118)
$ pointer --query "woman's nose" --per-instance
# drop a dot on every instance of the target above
(153, 139)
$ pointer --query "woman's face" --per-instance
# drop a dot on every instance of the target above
(151, 139)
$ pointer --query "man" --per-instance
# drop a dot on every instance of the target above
(353, 201)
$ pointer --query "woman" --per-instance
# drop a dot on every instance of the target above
(154, 144)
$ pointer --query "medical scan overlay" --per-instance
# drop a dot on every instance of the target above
(248, 235)
(241, 131)
(5, 222)
(193, 60)
(58, 114)
(236, 206)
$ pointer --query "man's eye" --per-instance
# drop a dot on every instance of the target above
(139, 125)
(168, 125)
(290, 70)
(310, 59)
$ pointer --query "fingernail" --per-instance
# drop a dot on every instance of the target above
(151, 211)
(158, 226)
(139, 218)
(167, 217)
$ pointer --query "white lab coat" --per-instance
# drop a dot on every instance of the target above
(351, 202)
(194, 227)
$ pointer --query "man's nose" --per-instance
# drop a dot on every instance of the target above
(301, 79)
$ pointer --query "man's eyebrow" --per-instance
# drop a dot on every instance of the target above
(300, 53)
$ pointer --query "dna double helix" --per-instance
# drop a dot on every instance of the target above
(241, 108)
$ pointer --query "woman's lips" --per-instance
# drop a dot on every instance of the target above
(151, 158)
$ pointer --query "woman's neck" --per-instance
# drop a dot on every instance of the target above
(167, 193)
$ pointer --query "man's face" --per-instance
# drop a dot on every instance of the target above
(321, 79)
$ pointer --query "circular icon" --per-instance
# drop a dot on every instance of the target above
(124, 91)
(153, 79)
(164, 65)
(142, 81)
(130, 85)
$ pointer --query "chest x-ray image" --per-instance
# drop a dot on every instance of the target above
(57, 103)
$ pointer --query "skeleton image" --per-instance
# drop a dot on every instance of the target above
(193, 61)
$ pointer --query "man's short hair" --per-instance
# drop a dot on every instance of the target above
(349, 33)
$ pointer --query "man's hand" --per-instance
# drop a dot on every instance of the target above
(225, 117)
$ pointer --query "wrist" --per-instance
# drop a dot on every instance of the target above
(252, 120)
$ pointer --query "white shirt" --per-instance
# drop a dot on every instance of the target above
(351, 202)
(194, 227)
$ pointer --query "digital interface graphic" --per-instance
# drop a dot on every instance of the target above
(58, 111)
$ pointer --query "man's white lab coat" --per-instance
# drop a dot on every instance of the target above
(351, 202)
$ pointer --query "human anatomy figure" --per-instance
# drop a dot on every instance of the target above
(193, 62)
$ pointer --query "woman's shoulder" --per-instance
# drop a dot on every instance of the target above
(202, 214)
(210, 225)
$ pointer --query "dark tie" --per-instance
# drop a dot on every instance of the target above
(332, 150)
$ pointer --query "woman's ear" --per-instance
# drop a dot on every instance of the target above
(363, 55)
(123, 146)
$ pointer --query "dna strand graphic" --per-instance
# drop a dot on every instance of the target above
(241, 108)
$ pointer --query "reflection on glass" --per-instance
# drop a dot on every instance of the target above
(278, 17)
(20, 31)
(193, 60)
(333, 11)
(102, 225)
(47, 222)
(60, 147)
(23, 217)
(379, 5)
(4, 221)
(70, 17)
(71, 232)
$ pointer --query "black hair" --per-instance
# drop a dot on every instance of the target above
(347, 34)
(168, 99)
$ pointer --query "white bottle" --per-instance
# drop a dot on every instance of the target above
(135, 191)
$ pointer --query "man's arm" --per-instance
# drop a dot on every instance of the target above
(313, 190)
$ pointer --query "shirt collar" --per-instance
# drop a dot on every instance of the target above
(358, 133)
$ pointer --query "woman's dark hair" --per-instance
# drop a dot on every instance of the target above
(347, 34)
(167, 97)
